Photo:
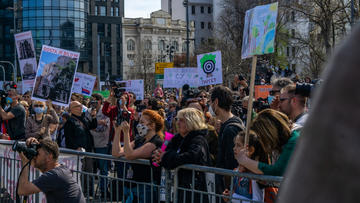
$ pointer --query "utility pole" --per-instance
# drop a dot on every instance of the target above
(186, 4)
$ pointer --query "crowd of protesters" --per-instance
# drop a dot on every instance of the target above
(208, 125)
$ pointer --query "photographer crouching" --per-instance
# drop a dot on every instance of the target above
(56, 181)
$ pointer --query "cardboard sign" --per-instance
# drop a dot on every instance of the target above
(84, 84)
(135, 86)
(177, 77)
(209, 68)
(159, 67)
(27, 59)
(259, 30)
(55, 75)
(262, 91)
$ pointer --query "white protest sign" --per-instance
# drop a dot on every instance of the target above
(177, 77)
(27, 59)
(84, 84)
(55, 75)
(209, 68)
(11, 170)
(135, 86)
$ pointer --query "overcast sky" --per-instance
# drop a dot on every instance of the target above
(141, 8)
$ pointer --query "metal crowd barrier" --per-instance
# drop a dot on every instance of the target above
(166, 190)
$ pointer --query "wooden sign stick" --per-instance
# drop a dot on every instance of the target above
(250, 101)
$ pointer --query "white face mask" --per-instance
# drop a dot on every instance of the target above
(211, 111)
(142, 129)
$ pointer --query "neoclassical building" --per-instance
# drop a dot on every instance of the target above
(150, 40)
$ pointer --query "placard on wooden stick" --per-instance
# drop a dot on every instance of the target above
(259, 38)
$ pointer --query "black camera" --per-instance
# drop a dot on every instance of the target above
(29, 151)
(93, 104)
(3, 96)
(304, 89)
(123, 116)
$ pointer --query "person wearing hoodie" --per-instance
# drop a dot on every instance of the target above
(188, 147)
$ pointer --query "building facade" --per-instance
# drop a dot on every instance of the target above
(200, 13)
(69, 24)
(150, 40)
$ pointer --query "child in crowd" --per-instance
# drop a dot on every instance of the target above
(245, 188)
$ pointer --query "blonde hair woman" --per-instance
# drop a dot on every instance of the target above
(187, 147)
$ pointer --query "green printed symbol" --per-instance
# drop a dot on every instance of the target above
(208, 63)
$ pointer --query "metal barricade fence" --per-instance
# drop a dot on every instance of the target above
(119, 183)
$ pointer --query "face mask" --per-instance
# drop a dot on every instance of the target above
(142, 129)
(9, 100)
(270, 99)
(211, 111)
(84, 109)
(121, 102)
(38, 110)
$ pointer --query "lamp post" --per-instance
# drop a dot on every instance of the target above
(186, 4)
(8, 62)
(14, 31)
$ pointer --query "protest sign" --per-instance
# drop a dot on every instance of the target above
(27, 59)
(262, 91)
(105, 93)
(259, 30)
(55, 75)
(209, 68)
(160, 67)
(12, 166)
(259, 39)
(135, 86)
(177, 77)
(84, 84)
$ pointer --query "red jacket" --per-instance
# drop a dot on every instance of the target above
(111, 112)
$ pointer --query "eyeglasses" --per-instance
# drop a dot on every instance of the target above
(202, 97)
(37, 105)
(273, 92)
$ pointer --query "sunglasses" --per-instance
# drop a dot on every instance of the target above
(36, 105)
(202, 97)
(273, 92)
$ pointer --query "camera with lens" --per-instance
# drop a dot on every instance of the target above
(118, 88)
(3, 96)
(93, 104)
(304, 89)
(29, 151)
(123, 116)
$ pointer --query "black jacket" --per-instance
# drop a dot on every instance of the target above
(77, 132)
(193, 149)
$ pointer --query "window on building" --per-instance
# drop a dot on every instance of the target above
(293, 33)
(176, 45)
(117, 11)
(183, 47)
(161, 45)
(102, 11)
(101, 29)
(202, 25)
(287, 51)
(148, 45)
(202, 9)
(112, 11)
(293, 51)
(209, 26)
(131, 45)
(209, 10)
(109, 30)
(193, 10)
(293, 16)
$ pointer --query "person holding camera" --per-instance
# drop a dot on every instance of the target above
(38, 125)
(293, 105)
(101, 139)
(56, 180)
(15, 115)
(150, 138)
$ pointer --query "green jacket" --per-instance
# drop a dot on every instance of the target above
(278, 168)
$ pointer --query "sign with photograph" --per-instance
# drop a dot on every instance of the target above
(27, 59)
(55, 75)
(209, 68)
(259, 30)
(177, 77)
(84, 84)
